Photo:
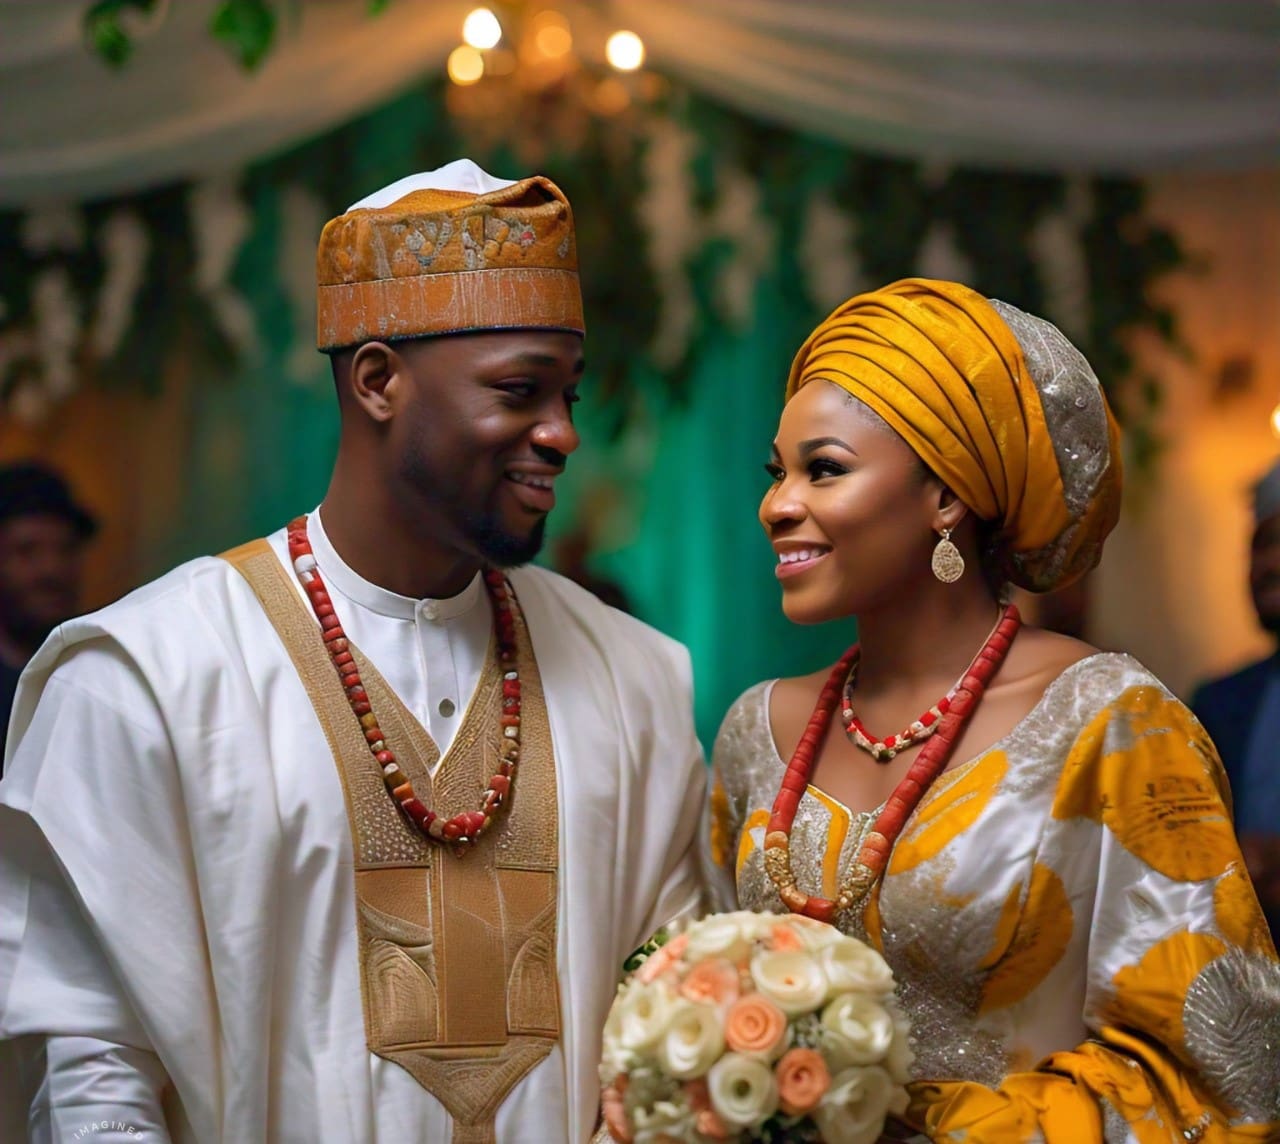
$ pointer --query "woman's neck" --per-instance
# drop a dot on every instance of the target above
(930, 638)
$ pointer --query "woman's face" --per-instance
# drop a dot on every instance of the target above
(851, 509)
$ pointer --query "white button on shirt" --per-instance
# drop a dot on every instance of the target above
(431, 652)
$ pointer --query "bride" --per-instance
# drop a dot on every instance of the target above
(1035, 833)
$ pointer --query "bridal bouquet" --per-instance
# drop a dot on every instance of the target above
(755, 1027)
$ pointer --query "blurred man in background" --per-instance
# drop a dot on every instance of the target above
(42, 538)
(1241, 712)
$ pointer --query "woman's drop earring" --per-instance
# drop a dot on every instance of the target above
(948, 564)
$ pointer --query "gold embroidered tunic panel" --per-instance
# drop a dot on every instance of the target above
(457, 954)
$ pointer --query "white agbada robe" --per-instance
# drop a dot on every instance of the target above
(177, 901)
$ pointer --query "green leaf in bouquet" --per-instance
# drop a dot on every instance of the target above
(786, 1130)
(638, 957)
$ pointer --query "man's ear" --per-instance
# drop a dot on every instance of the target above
(374, 379)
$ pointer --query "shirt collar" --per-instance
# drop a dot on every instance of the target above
(369, 595)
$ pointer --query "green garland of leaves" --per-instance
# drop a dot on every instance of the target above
(246, 28)
(892, 202)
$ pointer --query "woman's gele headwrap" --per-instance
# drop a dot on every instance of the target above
(996, 402)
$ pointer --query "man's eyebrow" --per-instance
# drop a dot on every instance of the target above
(533, 358)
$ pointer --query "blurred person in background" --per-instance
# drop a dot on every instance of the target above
(1241, 712)
(43, 532)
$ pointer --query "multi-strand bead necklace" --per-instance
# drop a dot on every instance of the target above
(925, 768)
(886, 749)
(464, 828)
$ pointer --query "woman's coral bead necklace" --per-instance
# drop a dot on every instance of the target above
(925, 768)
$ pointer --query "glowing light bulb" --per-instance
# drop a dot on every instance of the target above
(625, 51)
(481, 30)
(1275, 421)
(466, 65)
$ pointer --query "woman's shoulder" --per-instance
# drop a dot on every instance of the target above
(748, 710)
(1068, 667)
(744, 747)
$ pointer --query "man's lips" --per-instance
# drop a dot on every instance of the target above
(534, 490)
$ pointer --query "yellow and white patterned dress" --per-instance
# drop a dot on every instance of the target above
(1075, 939)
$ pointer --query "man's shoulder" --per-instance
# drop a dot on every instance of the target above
(195, 584)
(187, 616)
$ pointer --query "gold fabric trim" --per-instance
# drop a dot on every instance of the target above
(514, 297)
(468, 1035)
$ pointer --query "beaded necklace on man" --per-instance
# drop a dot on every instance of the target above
(464, 828)
(932, 760)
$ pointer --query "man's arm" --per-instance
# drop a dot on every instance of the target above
(80, 1054)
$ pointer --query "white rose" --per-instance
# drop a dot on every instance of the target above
(853, 1110)
(816, 935)
(666, 1120)
(856, 1030)
(743, 1090)
(643, 1013)
(850, 965)
(614, 1058)
(725, 935)
(693, 1041)
(792, 979)
(900, 1057)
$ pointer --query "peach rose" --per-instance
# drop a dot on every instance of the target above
(713, 982)
(803, 1080)
(710, 1125)
(755, 1025)
(658, 962)
(696, 1091)
(615, 1115)
(706, 1122)
(784, 937)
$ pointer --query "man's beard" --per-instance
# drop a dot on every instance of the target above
(499, 547)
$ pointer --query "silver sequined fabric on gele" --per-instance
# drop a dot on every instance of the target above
(1075, 414)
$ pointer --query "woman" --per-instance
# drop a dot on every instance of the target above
(1042, 849)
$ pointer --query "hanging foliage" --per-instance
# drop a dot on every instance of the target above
(681, 206)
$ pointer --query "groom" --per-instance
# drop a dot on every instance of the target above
(344, 836)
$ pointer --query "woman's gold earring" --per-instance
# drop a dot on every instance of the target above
(948, 564)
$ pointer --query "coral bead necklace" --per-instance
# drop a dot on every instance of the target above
(885, 750)
(462, 829)
(925, 768)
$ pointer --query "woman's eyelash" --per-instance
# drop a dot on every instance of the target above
(822, 467)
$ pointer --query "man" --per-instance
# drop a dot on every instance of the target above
(345, 836)
(1241, 712)
(42, 537)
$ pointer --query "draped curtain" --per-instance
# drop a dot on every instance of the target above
(1098, 85)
